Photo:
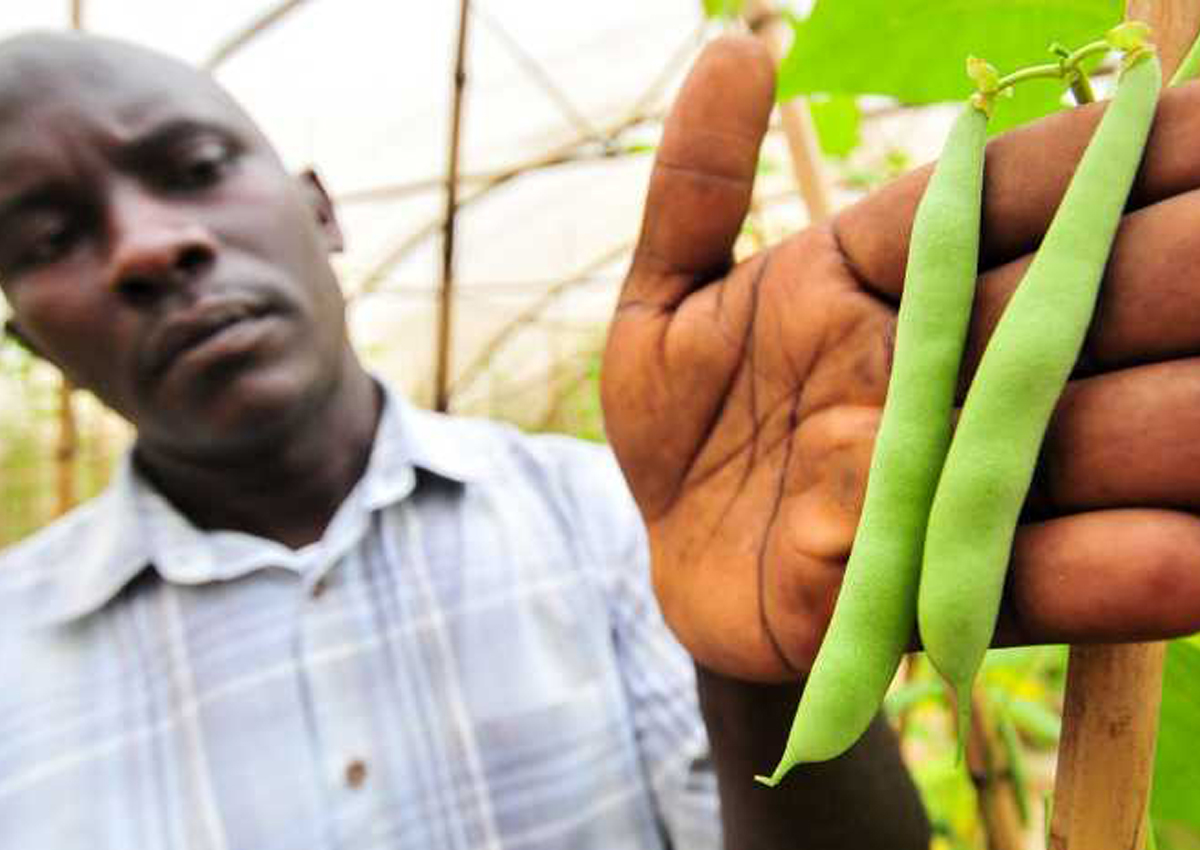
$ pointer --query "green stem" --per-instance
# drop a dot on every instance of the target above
(1081, 88)
(1033, 72)
(1068, 67)
(1096, 48)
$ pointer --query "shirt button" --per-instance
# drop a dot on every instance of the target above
(318, 588)
(356, 773)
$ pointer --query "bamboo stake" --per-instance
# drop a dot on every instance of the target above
(797, 120)
(544, 79)
(1110, 716)
(441, 399)
(251, 31)
(1106, 756)
(67, 450)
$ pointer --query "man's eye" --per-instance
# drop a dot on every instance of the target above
(203, 165)
(47, 239)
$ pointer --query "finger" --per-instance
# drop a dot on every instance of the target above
(1125, 438)
(1026, 173)
(1149, 306)
(1104, 577)
(704, 172)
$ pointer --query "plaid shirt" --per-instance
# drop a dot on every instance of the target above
(471, 657)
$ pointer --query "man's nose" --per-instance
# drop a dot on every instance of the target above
(155, 244)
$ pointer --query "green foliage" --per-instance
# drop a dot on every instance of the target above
(1175, 799)
(915, 51)
(864, 177)
(578, 410)
(837, 119)
(950, 802)
(721, 8)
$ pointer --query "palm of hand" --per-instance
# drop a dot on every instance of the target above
(746, 429)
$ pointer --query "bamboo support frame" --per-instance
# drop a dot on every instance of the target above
(250, 32)
(641, 112)
(441, 397)
(66, 451)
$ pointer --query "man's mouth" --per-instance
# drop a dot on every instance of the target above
(212, 329)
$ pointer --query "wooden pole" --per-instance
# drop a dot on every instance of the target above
(1106, 756)
(251, 31)
(1110, 715)
(441, 398)
(67, 451)
(794, 115)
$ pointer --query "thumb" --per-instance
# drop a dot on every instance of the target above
(704, 172)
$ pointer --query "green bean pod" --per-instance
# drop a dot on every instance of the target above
(1023, 371)
(873, 620)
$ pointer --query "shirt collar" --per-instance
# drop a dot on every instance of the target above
(86, 558)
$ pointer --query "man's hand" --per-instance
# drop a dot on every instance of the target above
(742, 401)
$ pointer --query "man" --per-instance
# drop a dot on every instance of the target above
(307, 615)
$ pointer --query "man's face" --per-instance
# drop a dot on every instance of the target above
(153, 247)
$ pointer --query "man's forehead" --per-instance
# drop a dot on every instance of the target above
(54, 69)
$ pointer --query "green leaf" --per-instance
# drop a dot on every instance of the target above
(1175, 836)
(1016, 763)
(1175, 798)
(1035, 721)
(909, 694)
(949, 799)
(721, 8)
(915, 50)
(836, 118)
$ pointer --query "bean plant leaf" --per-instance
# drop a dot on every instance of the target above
(1034, 720)
(909, 694)
(1175, 798)
(915, 50)
(1015, 755)
(721, 8)
(836, 118)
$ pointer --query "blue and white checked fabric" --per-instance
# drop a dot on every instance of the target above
(470, 658)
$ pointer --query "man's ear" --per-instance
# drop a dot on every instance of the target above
(322, 207)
